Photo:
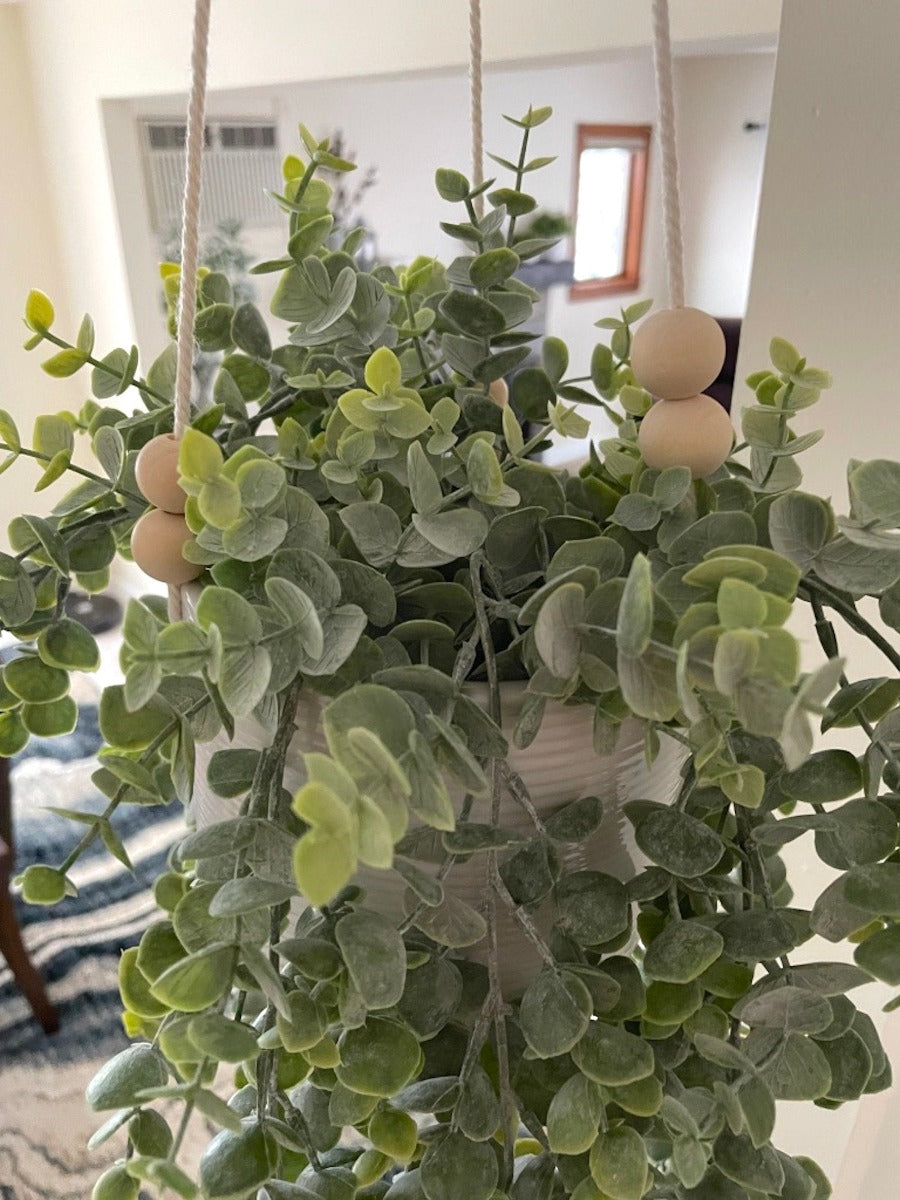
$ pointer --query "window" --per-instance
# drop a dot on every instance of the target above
(611, 177)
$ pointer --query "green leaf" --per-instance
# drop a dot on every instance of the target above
(477, 1111)
(611, 1056)
(238, 896)
(455, 534)
(875, 888)
(68, 645)
(799, 526)
(424, 485)
(64, 363)
(516, 203)
(874, 488)
(235, 1164)
(826, 776)
(375, 529)
(451, 923)
(453, 1167)
(788, 1009)
(493, 267)
(739, 1160)
(557, 632)
(574, 1115)
(635, 620)
(451, 185)
(797, 1069)
(592, 907)
(34, 681)
(323, 863)
(784, 356)
(50, 720)
(377, 1059)
(757, 935)
(473, 314)
(53, 434)
(554, 1013)
(118, 1082)
(679, 843)
(197, 981)
(17, 597)
(375, 956)
(39, 314)
(249, 332)
(682, 952)
(879, 954)
(619, 1163)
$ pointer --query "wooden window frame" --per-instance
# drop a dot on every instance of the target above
(630, 278)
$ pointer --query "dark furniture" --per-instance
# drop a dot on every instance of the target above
(12, 948)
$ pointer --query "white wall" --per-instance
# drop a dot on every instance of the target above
(825, 275)
(721, 171)
(409, 126)
(91, 50)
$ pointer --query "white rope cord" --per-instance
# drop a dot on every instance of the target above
(476, 89)
(665, 99)
(190, 241)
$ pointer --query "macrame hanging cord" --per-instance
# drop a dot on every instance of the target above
(190, 241)
(665, 102)
(476, 91)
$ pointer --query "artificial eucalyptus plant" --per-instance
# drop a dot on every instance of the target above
(376, 530)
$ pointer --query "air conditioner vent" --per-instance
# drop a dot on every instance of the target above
(240, 162)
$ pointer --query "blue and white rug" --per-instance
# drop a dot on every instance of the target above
(44, 1120)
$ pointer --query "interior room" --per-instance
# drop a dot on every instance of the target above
(766, 197)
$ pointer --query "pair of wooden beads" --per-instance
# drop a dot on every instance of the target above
(158, 538)
(675, 354)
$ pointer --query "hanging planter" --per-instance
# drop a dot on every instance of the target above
(489, 765)
(577, 796)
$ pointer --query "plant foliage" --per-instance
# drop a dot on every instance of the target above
(377, 536)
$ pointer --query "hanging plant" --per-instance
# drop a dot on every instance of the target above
(415, 945)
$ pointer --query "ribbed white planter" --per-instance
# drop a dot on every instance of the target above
(558, 767)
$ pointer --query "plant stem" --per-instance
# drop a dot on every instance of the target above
(76, 470)
(417, 341)
(507, 1104)
(189, 1103)
(852, 616)
(520, 175)
(120, 791)
(140, 384)
(828, 641)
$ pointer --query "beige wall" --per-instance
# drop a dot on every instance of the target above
(29, 254)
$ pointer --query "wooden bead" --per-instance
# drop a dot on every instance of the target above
(695, 432)
(156, 472)
(156, 544)
(499, 392)
(677, 352)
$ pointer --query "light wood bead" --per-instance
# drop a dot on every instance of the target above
(156, 472)
(156, 544)
(677, 352)
(695, 432)
(499, 392)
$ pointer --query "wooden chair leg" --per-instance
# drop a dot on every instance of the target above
(26, 975)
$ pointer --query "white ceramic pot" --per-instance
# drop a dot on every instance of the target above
(558, 767)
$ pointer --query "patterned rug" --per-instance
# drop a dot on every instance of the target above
(44, 1120)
